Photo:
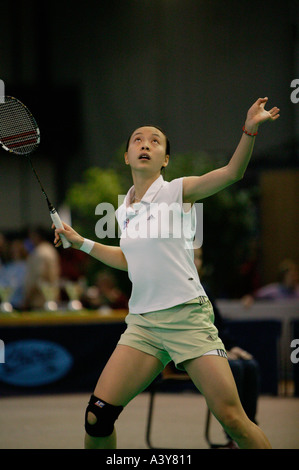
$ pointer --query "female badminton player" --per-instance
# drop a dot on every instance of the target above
(170, 316)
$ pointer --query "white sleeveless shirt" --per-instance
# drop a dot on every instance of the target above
(157, 242)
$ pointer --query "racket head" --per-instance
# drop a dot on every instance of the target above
(19, 132)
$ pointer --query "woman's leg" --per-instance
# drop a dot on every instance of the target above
(213, 378)
(127, 373)
(251, 388)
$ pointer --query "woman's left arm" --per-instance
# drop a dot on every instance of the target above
(199, 187)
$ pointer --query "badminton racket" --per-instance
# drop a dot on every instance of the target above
(20, 135)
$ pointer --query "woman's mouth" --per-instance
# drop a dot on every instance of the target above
(144, 156)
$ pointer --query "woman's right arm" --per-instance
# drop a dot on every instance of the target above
(109, 255)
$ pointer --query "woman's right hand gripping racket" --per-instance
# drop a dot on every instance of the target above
(20, 135)
(58, 224)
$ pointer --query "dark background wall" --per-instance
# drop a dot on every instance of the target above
(91, 72)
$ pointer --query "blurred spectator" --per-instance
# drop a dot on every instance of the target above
(43, 267)
(106, 293)
(286, 287)
(73, 264)
(13, 272)
(73, 273)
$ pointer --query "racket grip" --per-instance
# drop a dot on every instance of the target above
(58, 224)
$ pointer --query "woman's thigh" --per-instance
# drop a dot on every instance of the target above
(127, 373)
(213, 377)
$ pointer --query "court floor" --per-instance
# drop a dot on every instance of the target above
(57, 422)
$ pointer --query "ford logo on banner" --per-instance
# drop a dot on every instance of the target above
(33, 362)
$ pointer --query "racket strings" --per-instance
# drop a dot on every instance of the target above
(18, 130)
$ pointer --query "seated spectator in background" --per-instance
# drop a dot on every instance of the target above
(43, 266)
(13, 272)
(73, 264)
(287, 286)
(106, 293)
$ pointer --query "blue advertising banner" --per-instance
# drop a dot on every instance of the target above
(55, 358)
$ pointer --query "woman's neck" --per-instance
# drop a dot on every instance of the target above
(142, 183)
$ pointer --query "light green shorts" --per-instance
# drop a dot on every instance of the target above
(176, 334)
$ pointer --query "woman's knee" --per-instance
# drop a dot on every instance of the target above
(100, 417)
(235, 422)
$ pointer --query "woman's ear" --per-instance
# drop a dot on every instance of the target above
(126, 158)
(166, 161)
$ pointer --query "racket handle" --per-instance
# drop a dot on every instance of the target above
(58, 224)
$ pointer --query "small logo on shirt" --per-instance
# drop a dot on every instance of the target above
(126, 223)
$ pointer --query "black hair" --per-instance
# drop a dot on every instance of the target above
(159, 129)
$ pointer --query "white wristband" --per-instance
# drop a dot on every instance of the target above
(87, 246)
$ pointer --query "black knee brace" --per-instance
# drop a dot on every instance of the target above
(105, 414)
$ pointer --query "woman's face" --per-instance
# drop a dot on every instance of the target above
(147, 150)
